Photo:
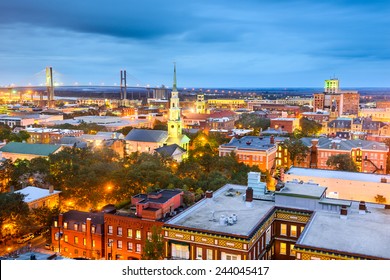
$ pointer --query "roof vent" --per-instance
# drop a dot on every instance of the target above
(343, 212)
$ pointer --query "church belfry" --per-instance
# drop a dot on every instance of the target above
(174, 121)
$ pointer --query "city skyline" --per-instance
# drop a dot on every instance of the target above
(218, 44)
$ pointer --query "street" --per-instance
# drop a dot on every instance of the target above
(11, 247)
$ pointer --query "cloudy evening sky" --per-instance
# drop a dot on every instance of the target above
(248, 43)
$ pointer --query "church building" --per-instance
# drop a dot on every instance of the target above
(145, 140)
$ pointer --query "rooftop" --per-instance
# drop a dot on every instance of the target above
(146, 135)
(228, 200)
(30, 149)
(302, 190)
(33, 193)
(366, 234)
(253, 142)
(334, 174)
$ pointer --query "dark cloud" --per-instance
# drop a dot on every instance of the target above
(251, 42)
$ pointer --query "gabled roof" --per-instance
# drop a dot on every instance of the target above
(169, 150)
(30, 149)
(146, 135)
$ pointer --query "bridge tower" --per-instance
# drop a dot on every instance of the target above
(123, 85)
(50, 87)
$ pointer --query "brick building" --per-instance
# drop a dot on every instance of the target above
(77, 234)
(127, 229)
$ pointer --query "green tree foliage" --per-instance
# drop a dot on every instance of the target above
(309, 127)
(253, 121)
(7, 135)
(159, 125)
(13, 209)
(43, 217)
(296, 149)
(342, 162)
(154, 247)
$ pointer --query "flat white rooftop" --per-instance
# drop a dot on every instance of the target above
(367, 234)
(334, 174)
(33, 193)
(205, 215)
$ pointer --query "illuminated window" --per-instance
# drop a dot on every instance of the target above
(84, 241)
(76, 227)
(199, 253)
(93, 229)
(129, 233)
(129, 246)
(283, 229)
(83, 227)
(292, 250)
(293, 231)
(76, 240)
(302, 228)
(283, 248)
(110, 229)
(66, 238)
(119, 244)
(138, 234)
(119, 231)
(93, 243)
(209, 254)
(65, 225)
(149, 235)
(138, 248)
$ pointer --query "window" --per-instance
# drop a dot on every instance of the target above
(84, 241)
(302, 228)
(119, 231)
(180, 251)
(65, 225)
(76, 227)
(209, 253)
(109, 242)
(110, 229)
(56, 223)
(93, 243)
(83, 227)
(129, 246)
(93, 229)
(199, 253)
(129, 233)
(292, 250)
(283, 248)
(283, 229)
(229, 257)
(66, 238)
(138, 234)
(119, 244)
(138, 248)
(293, 231)
(76, 240)
(149, 236)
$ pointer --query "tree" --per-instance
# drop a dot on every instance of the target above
(13, 209)
(342, 162)
(154, 246)
(253, 121)
(297, 150)
(309, 127)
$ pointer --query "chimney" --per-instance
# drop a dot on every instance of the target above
(362, 208)
(60, 220)
(272, 140)
(343, 212)
(249, 197)
(209, 194)
(51, 189)
(88, 225)
(383, 180)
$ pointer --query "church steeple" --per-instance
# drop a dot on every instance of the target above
(174, 121)
(174, 87)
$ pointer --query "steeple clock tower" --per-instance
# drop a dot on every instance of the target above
(174, 121)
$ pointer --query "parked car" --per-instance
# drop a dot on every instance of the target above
(25, 238)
